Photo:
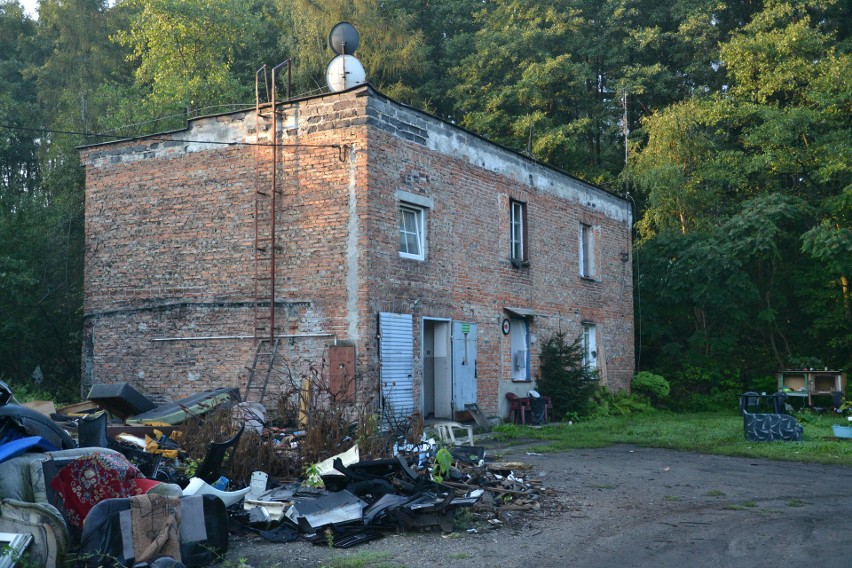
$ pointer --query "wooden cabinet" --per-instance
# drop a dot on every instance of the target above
(806, 383)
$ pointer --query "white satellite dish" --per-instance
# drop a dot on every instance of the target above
(344, 72)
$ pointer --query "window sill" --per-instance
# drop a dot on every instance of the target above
(412, 257)
(522, 380)
(588, 278)
(516, 263)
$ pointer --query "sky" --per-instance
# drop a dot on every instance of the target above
(30, 6)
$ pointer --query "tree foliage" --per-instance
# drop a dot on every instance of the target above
(738, 115)
(755, 179)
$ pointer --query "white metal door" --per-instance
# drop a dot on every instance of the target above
(464, 364)
(396, 351)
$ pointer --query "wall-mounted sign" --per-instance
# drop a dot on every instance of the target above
(506, 327)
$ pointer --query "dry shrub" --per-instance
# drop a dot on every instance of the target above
(332, 423)
(254, 452)
(333, 420)
(257, 452)
(199, 432)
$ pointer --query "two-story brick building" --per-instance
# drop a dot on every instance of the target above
(435, 259)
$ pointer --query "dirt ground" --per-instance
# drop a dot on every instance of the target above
(627, 506)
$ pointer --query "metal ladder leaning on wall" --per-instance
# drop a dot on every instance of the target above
(260, 370)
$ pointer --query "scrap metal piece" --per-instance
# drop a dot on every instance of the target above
(332, 508)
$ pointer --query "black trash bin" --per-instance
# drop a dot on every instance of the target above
(538, 409)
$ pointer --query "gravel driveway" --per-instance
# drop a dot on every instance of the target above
(625, 506)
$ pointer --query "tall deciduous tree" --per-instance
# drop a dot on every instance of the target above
(195, 55)
(766, 159)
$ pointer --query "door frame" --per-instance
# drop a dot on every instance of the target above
(423, 320)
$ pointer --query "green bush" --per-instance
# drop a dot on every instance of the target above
(655, 387)
(564, 377)
(621, 403)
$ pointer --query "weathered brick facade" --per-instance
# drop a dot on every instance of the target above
(170, 267)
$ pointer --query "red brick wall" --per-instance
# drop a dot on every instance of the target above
(170, 248)
(468, 275)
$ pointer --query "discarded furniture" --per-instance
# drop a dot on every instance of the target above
(89, 479)
(768, 426)
(121, 400)
(518, 408)
(446, 432)
(211, 467)
(109, 532)
(32, 423)
(41, 521)
(28, 503)
(807, 383)
(92, 430)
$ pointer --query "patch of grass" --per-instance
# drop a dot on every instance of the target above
(363, 559)
(715, 493)
(708, 432)
(459, 556)
(740, 507)
(671, 498)
(602, 486)
(795, 503)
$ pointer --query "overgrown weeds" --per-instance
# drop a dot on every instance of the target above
(311, 419)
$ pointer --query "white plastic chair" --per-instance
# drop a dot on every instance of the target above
(447, 435)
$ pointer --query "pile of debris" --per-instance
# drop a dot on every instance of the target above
(131, 463)
(362, 500)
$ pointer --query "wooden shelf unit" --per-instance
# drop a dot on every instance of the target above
(809, 382)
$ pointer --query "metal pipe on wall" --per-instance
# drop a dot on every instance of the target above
(216, 337)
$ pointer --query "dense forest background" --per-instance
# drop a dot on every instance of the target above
(737, 117)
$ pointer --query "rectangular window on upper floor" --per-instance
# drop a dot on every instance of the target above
(587, 251)
(519, 252)
(412, 234)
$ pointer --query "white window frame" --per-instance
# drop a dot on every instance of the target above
(587, 251)
(590, 345)
(518, 250)
(419, 230)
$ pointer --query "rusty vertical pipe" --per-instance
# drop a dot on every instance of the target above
(272, 215)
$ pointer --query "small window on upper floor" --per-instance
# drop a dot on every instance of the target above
(519, 252)
(587, 251)
(412, 234)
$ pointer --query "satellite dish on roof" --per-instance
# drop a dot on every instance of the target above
(343, 39)
(344, 72)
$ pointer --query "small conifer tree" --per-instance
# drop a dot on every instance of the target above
(564, 378)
